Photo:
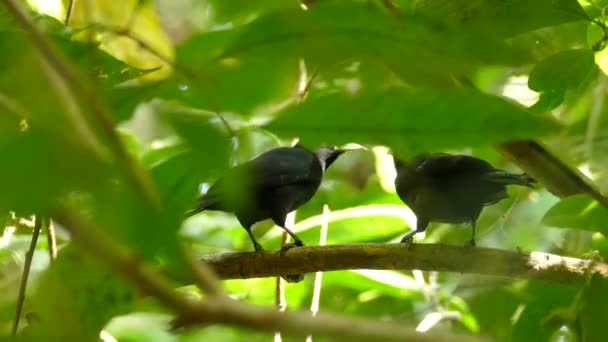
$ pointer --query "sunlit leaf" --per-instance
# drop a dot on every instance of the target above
(411, 120)
(578, 212)
(140, 20)
(565, 70)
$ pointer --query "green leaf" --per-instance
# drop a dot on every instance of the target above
(177, 181)
(542, 300)
(547, 101)
(77, 288)
(411, 121)
(124, 99)
(578, 212)
(562, 71)
(237, 12)
(99, 66)
(261, 61)
(591, 310)
(178, 169)
(504, 18)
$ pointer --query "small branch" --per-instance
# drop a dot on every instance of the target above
(426, 257)
(127, 33)
(69, 12)
(51, 238)
(204, 277)
(26, 272)
(302, 324)
(142, 43)
(220, 310)
(316, 290)
(555, 175)
(280, 302)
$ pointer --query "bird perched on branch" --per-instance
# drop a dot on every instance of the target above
(270, 186)
(451, 189)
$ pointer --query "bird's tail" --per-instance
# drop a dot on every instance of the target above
(504, 177)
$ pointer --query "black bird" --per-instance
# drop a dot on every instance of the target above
(270, 186)
(451, 189)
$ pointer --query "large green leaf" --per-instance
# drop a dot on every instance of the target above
(542, 300)
(507, 17)
(591, 310)
(556, 74)
(411, 120)
(562, 71)
(578, 212)
(257, 63)
(76, 288)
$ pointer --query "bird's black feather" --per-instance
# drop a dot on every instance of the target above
(451, 188)
(269, 186)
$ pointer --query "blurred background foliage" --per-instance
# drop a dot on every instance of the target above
(196, 86)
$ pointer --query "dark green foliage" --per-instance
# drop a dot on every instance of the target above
(249, 76)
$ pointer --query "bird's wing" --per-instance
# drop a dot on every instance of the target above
(272, 169)
(285, 167)
(503, 177)
(443, 164)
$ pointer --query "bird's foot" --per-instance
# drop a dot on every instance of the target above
(258, 247)
(408, 241)
(288, 246)
(293, 278)
(470, 243)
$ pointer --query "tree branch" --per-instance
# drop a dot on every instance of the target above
(222, 309)
(26, 272)
(555, 175)
(426, 257)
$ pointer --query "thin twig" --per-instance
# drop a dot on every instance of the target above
(69, 12)
(29, 256)
(548, 169)
(11, 106)
(127, 33)
(51, 238)
(101, 116)
(204, 277)
(120, 259)
(71, 87)
(280, 300)
(316, 290)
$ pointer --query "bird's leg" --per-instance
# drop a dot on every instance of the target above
(256, 245)
(408, 239)
(279, 219)
(296, 240)
(471, 243)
